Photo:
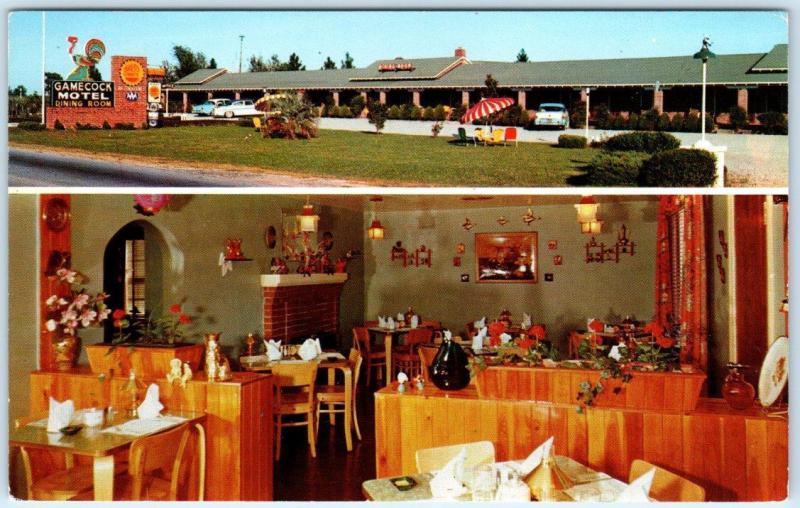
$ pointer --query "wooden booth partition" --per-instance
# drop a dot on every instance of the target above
(734, 455)
(238, 424)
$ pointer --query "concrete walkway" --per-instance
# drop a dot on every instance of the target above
(753, 160)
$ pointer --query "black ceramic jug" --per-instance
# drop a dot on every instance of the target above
(449, 370)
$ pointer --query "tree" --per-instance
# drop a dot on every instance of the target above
(188, 62)
(347, 63)
(257, 64)
(328, 64)
(491, 86)
(522, 56)
(294, 63)
(212, 64)
(377, 115)
(49, 77)
(300, 116)
(19, 91)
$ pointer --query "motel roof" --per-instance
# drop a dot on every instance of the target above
(461, 73)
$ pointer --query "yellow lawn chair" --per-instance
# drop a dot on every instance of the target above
(478, 136)
(497, 137)
(257, 123)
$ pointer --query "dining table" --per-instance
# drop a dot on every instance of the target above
(101, 443)
(389, 335)
(589, 485)
(331, 361)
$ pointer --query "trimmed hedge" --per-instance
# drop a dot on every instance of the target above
(58, 125)
(571, 141)
(85, 127)
(773, 122)
(649, 142)
(124, 126)
(31, 126)
(614, 169)
(679, 168)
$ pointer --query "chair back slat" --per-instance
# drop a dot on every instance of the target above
(361, 339)
(163, 451)
(355, 360)
(296, 376)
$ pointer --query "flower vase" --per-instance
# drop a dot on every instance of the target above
(738, 393)
(65, 352)
(449, 370)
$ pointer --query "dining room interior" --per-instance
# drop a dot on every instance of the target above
(318, 347)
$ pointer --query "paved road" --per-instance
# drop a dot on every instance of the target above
(752, 160)
(34, 168)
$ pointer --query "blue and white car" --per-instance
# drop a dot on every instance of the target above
(244, 107)
(552, 114)
(207, 108)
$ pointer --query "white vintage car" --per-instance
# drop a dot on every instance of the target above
(237, 108)
(552, 114)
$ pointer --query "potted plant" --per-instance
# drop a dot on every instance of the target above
(69, 310)
(146, 345)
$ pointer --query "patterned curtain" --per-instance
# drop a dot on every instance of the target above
(681, 288)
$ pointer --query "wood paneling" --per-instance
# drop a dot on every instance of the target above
(49, 241)
(238, 427)
(734, 455)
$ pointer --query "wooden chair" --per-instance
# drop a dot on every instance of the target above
(294, 397)
(433, 459)
(332, 396)
(426, 356)
(41, 481)
(435, 327)
(376, 359)
(511, 135)
(405, 357)
(667, 486)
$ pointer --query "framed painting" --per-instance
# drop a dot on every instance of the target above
(507, 257)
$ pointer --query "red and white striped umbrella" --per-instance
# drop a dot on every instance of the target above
(486, 107)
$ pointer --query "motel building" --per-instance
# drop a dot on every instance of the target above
(758, 82)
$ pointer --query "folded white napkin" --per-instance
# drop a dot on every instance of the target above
(400, 316)
(59, 415)
(447, 483)
(402, 378)
(414, 321)
(150, 407)
(614, 353)
(390, 323)
(637, 491)
(526, 320)
(310, 349)
(505, 338)
(273, 350)
(448, 335)
(480, 323)
(381, 322)
(477, 341)
(535, 458)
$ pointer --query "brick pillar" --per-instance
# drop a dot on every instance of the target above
(210, 95)
(522, 98)
(301, 93)
(742, 98)
(237, 96)
(335, 98)
(382, 97)
(658, 100)
(465, 97)
(415, 98)
(185, 102)
(364, 96)
(584, 95)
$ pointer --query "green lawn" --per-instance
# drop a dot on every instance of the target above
(384, 158)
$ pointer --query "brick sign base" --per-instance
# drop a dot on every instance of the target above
(130, 103)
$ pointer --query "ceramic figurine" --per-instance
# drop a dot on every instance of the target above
(187, 374)
(212, 356)
(174, 370)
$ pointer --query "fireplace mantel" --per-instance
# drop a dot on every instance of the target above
(296, 279)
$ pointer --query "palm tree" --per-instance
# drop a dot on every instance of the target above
(299, 114)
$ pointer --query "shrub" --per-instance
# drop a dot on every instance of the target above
(773, 122)
(601, 116)
(427, 114)
(633, 122)
(377, 115)
(571, 141)
(357, 104)
(124, 126)
(106, 125)
(323, 110)
(615, 169)
(676, 124)
(578, 116)
(58, 125)
(393, 113)
(334, 112)
(31, 126)
(648, 120)
(436, 128)
(345, 112)
(457, 112)
(692, 122)
(649, 142)
(85, 127)
(618, 123)
(679, 168)
(439, 113)
(416, 113)
(739, 118)
(663, 122)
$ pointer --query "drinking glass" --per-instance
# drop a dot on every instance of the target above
(484, 483)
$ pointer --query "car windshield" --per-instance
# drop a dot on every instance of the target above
(551, 107)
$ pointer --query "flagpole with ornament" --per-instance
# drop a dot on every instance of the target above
(703, 144)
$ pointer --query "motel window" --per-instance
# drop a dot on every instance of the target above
(125, 274)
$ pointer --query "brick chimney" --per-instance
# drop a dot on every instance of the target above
(297, 306)
(460, 52)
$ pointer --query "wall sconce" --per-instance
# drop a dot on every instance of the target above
(376, 231)
(587, 216)
(307, 219)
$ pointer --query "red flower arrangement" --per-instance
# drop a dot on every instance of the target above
(596, 326)
(495, 330)
(538, 332)
(163, 330)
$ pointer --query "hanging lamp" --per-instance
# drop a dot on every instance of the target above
(376, 231)
(307, 219)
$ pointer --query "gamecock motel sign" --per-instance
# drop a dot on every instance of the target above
(82, 94)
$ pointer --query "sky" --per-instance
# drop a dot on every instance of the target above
(370, 36)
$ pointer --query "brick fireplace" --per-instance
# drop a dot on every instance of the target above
(297, 306)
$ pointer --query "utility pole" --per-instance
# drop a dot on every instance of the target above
(44, 83)
(241, 45)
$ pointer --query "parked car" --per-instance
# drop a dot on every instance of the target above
(237, 108)
(207, 108)
(552, 113)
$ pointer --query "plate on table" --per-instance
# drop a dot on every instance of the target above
(774, 372)
(403, 483)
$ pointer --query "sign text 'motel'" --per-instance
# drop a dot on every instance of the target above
(82, 94)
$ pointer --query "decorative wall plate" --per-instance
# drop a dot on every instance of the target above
(56, 214)
(774, 372)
